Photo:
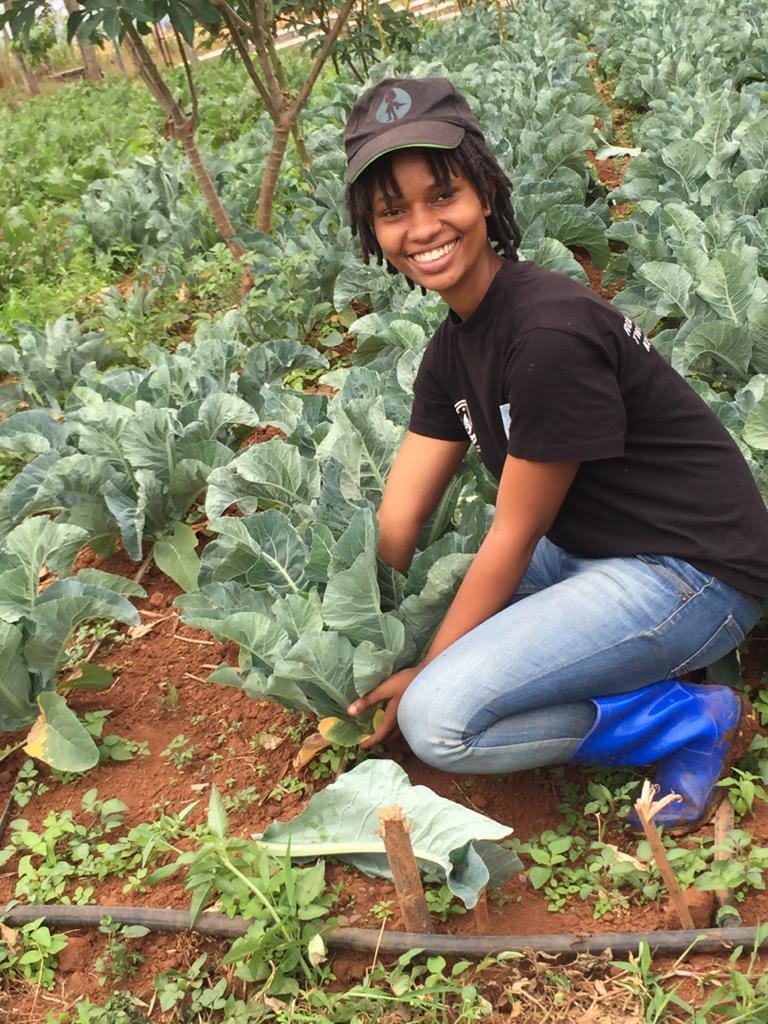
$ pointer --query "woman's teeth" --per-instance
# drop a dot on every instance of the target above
(434, 254)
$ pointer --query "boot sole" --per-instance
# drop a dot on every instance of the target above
(740, 739)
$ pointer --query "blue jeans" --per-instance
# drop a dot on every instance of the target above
(514, 692)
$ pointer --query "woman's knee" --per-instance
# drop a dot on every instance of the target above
(429, 731)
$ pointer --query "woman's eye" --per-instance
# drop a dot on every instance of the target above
(445, 196)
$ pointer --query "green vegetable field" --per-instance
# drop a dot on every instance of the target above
(202, 389)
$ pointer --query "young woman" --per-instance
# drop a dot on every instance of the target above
(630, 543)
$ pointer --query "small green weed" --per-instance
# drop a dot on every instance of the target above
(30, 953)
(119, 960)
(180, 752)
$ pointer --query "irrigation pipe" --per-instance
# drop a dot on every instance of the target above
(365, 940)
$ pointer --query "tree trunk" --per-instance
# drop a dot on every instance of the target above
(162, 45)
(288, 117)
(28, 75)
(119, 56)
(190, 51)
(272, 172)
(90, 61)
(181, 127)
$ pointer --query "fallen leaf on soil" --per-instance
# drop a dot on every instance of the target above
(9, 936)
(316, 950)
(269, 741)
(310, 748)
(627, 858)
(135, 632)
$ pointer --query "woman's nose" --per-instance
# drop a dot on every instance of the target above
(424, 224)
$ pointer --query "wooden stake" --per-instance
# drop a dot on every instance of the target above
(646, 809)
(480, 914)
(724, 823)
(405, 872)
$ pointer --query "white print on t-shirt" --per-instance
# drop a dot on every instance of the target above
(633, 331)
(462, 409)
(506, 419)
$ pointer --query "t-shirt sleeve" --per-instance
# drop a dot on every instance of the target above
(432, 412)
(565, 403)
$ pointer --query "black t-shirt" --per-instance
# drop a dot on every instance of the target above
(547, 371)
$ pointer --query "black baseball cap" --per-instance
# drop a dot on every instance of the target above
(401, 113)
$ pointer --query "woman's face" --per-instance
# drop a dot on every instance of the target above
(436, 235)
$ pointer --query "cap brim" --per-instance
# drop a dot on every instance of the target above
(426, 134)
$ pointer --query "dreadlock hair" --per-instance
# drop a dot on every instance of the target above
(474, 161)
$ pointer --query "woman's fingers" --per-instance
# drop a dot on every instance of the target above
(386, 725)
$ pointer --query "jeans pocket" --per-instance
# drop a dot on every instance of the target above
(723, 640)
(666, 573)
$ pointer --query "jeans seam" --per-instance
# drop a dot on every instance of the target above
(634, 636)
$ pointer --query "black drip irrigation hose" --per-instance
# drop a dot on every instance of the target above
(367, 940)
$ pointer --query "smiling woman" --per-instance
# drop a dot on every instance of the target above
(616, 561)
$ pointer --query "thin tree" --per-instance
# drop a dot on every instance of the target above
(90, 61)
(181, 127)
(271, 84)
(28, 77)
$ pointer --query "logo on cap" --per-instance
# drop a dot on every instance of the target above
(394, 106)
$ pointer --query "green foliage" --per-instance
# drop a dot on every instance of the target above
(32, 955)
(461, 853)
(286, 904)
(119, 960)
(35, 629)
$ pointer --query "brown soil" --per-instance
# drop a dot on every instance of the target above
(160, 692)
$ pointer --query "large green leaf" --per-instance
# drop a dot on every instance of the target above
(175, 554)
(673, 282)
(364, 441)
(218, 411)
(59, 739)
(264, 549)
(729, 283)
(727, 343)
(38, 541)
(17, 710)
(269, 475)
(316, 675)
(208, 607)
(452, 841)
(62, 608)
(352, 605)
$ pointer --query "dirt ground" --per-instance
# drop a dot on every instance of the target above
(160, 692)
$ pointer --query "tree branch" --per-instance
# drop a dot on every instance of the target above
(242, 48)
(321, 58)
(188, 73)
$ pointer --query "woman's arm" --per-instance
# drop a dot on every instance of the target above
(419, 475)
(529, 498)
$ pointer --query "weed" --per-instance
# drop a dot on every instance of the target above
(28, 784)
(743, 786)
(30, 953)
(118, 960)
(180, 752)
(290, 784)
(109, 813)
(442, 903)
(169, 696)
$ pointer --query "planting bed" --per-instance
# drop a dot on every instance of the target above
(245, 746)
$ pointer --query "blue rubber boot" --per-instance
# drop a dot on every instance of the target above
(692, 733)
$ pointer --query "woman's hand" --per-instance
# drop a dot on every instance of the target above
(391, 690)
